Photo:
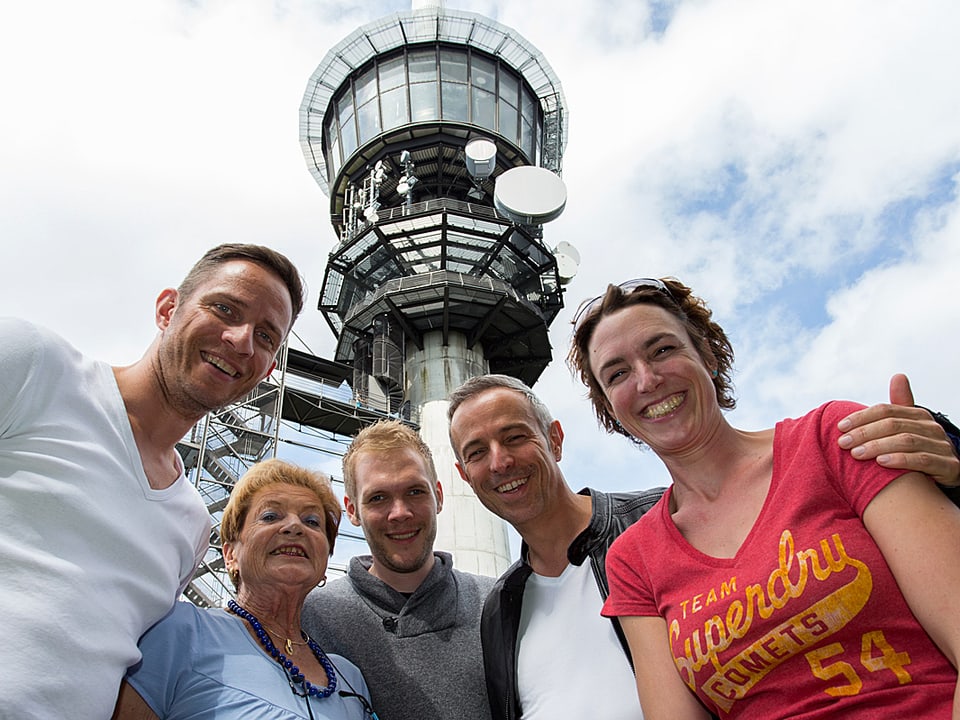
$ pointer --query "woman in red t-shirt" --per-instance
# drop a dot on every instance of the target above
(778, 577)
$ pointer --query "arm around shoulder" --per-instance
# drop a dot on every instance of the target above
(905, 436)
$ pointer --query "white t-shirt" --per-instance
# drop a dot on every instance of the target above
(570, 663)
(90, 555)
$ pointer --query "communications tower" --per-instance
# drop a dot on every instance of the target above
(438, 136)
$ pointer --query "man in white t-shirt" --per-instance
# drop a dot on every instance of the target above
(100, 530)
(547, 652)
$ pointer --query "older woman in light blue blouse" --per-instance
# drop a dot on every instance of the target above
(253, 659)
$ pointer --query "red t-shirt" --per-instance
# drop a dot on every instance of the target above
(806, 621)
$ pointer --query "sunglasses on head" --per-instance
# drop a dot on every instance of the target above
(627, 287)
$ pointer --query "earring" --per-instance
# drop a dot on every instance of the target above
(323, 581)
(714, 373)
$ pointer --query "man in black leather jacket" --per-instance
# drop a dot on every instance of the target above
(508, 448)
(499, 627)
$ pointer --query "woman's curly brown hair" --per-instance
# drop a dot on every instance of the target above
(709, 339)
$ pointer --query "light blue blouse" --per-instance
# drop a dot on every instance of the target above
(203, 664)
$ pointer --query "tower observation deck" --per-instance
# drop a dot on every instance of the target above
(408, 125)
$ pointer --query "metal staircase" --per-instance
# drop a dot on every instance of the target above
(304, 393)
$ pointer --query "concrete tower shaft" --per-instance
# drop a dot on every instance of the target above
(406, 125)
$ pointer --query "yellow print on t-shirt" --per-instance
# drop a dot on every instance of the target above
(734, 678)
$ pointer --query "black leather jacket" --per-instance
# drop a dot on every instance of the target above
(612, 514)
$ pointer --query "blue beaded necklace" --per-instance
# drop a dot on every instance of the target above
(293, 672)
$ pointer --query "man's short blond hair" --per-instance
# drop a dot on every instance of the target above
(383, 436)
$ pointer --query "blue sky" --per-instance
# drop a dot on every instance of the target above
(796, 163)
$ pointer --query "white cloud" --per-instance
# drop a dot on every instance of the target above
(137, 135)
(896, 317)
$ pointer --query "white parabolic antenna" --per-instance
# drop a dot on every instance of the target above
(481, 158)
(529, 195)
(568, 261)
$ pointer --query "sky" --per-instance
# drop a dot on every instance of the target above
(795, 162)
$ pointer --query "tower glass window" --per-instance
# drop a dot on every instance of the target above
(348, 130)
(423, 85)
(393, 92)
(509, 102)
(527, 140)
(453, 85)
(368, 110)
(333, 132)
(483, 88)
(430, 83)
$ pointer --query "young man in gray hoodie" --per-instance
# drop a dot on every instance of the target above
(403, 614)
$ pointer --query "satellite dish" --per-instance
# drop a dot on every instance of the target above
(481, 158)
(568, 261)
(529, 195)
